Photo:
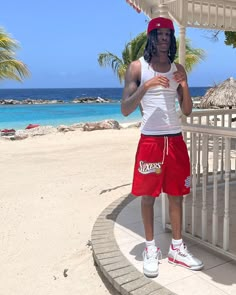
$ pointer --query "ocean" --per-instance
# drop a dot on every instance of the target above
(66, 113)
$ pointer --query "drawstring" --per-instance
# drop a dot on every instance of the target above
(165, 149)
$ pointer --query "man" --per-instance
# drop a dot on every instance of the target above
(153, 83)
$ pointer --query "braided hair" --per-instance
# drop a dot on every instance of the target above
(151, 46)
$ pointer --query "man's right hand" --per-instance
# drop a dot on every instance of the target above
(157, 81)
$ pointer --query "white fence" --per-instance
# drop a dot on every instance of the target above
(210, 135)
(209, 214)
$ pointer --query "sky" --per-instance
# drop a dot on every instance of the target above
(61, 40)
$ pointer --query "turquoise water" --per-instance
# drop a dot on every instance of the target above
(19, 116)
(67, 113)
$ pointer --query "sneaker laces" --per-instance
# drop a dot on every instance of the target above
(153, 254)
(185, 251)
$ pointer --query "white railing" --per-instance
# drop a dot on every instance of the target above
(205, 143)
(207, 215)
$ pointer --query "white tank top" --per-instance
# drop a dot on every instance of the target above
(159, 103)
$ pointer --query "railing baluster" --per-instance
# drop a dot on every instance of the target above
(222, 149)
(222, 160)
(199, 154)
(165, 210)
(194, 182)
(226, 211)
(184, 215)
(207, 151)
(204, 187)
(215, 191)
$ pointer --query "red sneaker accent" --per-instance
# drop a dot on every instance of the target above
(178, 262)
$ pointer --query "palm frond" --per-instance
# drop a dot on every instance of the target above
(7, 42)
(137, 46)
(10, 67)
(193, 56)
(109, 59)
(13, 69)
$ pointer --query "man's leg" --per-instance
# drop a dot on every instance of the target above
(175, 212)
(147, 208)
(178, 252)
(151, 253)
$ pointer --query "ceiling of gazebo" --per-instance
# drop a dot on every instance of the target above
(208, 14)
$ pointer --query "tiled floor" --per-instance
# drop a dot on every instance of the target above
(217, 278)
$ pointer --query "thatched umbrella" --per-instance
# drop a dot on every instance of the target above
(220, 96)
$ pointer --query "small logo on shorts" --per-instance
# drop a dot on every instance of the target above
(188, 182)
(147, 168)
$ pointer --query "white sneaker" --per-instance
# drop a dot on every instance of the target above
(151, 258)
(181, 256)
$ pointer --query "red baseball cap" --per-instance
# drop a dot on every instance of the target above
(160, 23)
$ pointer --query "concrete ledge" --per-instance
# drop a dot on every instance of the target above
(124, 277)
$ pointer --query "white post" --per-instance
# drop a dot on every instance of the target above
(194, 182)
(215, 191)
(184, 215)
(165, 210)
(226, 211)
(182, 45)
(204, 187)
(199, 155)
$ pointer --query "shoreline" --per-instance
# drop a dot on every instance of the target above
(19, 134)
(22, 126)
(118, 121)
(20, 116)
(63, 114)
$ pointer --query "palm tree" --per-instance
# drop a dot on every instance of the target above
(134, 49)
(193, 55)
(10, 68)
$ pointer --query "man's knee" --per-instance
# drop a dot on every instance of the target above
(148, 201)
(175, 200)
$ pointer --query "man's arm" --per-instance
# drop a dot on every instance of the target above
(184, 96)
(132, 93)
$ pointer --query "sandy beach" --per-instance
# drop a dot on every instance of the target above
(53, 187)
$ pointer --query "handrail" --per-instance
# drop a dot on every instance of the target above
(212, 112)
(209, 130)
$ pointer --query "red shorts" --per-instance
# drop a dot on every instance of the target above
(161, 165)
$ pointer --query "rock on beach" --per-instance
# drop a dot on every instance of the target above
(55, 101)
(89, 126)
(91, 100)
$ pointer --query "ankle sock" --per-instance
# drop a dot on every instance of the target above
(177, 243)
(150, 244)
